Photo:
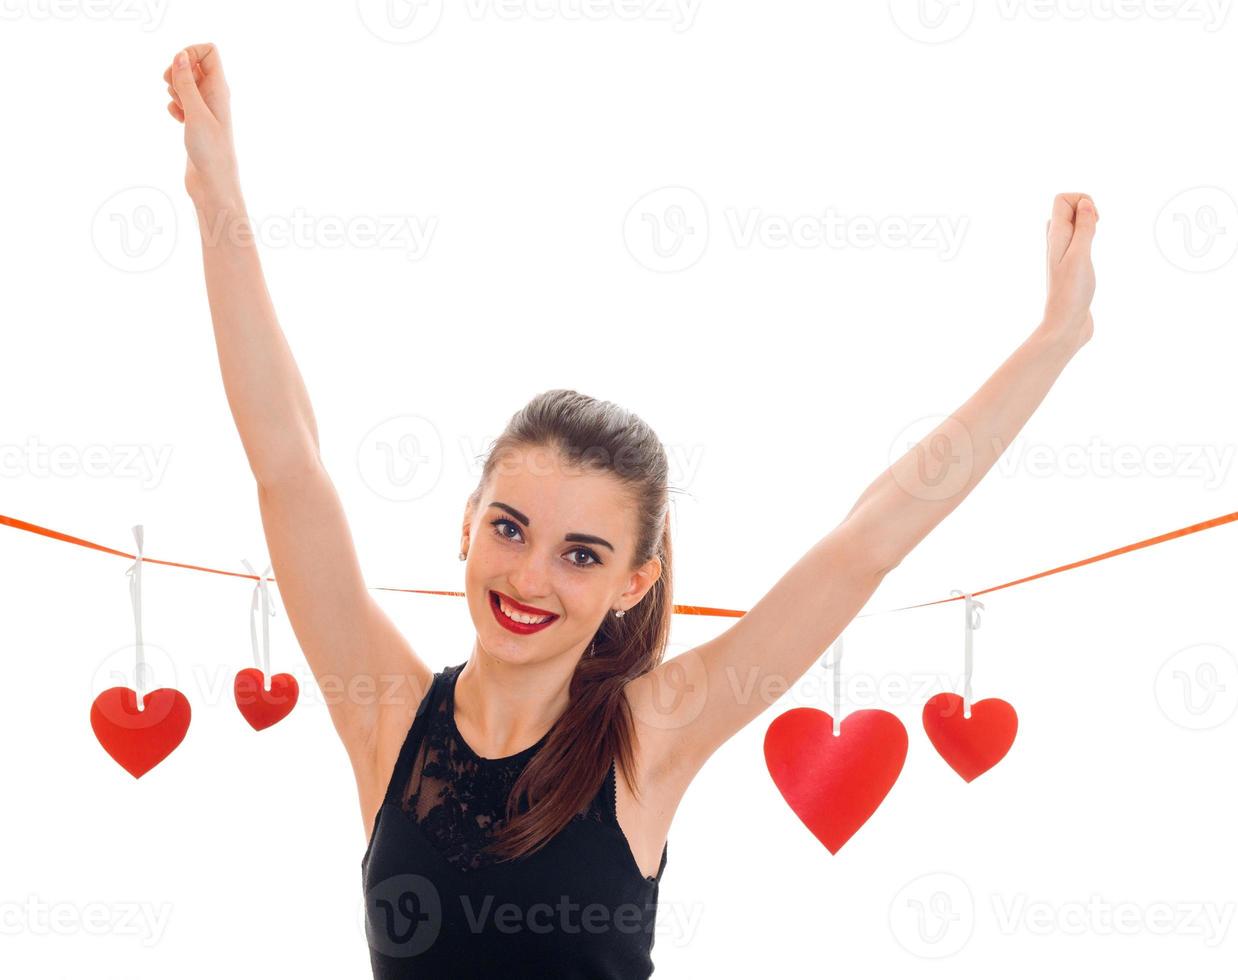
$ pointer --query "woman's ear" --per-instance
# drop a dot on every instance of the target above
(643, 579)
(465, 528)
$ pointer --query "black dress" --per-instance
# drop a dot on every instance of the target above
(436, 905)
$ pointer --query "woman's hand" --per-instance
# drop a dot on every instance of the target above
(200, 100)
(1071, 282)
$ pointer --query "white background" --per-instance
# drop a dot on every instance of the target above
(523, 142)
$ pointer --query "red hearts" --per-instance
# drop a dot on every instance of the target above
(971, 745)
(261, 708)
(139, 740)
(834, 783)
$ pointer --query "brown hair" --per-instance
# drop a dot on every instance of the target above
(596, 727)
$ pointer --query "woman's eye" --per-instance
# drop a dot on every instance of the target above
(498, 528)
(591, 556)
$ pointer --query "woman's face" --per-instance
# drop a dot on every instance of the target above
(553, 538)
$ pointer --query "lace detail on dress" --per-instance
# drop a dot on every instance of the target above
(458, 799)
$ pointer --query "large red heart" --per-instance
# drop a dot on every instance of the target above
(834, 783)
(139, 740)
(262, 709)
(971, 745)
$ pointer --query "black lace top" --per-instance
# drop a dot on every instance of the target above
(439, 905)
(457, 797)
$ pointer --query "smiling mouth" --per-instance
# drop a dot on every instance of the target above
(518, 625)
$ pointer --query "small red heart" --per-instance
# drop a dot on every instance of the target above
(139, 740)
(261, 708)
(834, 783)
(971, 745)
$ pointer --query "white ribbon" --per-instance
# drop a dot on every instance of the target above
(838, 657)
(135, 596)
(971, 614)
(261, 660)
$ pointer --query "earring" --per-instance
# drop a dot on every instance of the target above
(619, 613)
(463, 556)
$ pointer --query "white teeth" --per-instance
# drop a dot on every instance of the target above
(522, 617)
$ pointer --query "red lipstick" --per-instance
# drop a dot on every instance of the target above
(510, 624)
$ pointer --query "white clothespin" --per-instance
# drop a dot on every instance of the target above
(262, 660)
(135, 597)
(971, 614)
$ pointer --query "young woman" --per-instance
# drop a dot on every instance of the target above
(501, 840)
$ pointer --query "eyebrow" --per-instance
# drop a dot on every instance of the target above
(573, 536)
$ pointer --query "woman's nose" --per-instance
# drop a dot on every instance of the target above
(532, 577)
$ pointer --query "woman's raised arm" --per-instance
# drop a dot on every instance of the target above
(370, 677)
(718, 687)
